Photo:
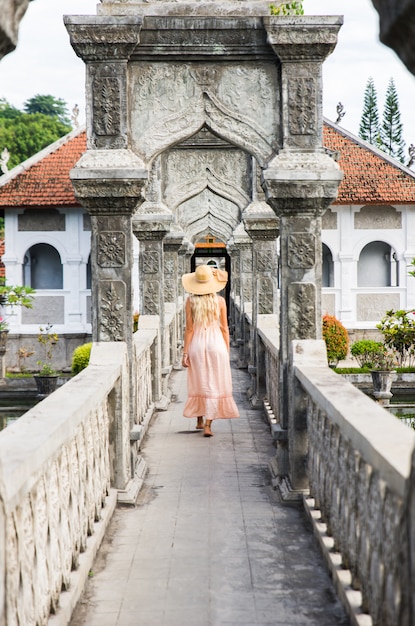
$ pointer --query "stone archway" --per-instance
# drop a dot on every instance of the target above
(161, 79)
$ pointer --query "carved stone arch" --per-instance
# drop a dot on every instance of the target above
(208, 213)
(224, 188)
(234, 128)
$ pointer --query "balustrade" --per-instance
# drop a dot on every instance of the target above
(360, 462)
(62, 465)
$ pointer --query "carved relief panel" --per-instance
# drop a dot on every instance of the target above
(109, 105)
(173, 101)
(112, 296)
(302, 310)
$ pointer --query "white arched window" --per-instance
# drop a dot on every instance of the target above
(42, 267)
(328, 267)
(377, 266)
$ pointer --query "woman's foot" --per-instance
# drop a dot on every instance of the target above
(206, 431)
(200, 423)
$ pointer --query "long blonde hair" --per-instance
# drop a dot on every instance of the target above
(205, 308)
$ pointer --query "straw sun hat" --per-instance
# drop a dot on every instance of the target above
(205, 279)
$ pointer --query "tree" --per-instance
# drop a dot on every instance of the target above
(391, 131)
(24, 134)
(369, 129)
(48, 105)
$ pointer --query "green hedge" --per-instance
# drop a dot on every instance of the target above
(80, 357)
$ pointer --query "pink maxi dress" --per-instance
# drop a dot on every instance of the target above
(209, 380)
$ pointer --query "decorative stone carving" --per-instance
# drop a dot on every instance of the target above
(301, 251)
(302, 313)
(162, 115)
(302, 107)
(107, 104)
(208, 214)
(112, 299)
(100, 38)
(151, 261)
(152, 297)
(111, 249)
(188, 172)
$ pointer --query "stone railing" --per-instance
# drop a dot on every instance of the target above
(361, 493)
(359, 463)
(62, 466)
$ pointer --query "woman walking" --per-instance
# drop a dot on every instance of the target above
(206, 349)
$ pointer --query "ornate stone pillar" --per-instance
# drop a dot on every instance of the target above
(262, 226)
(234, 313)
(185, 252)
(150, 229)
(300, 183)
(243, 243)
(172, 244)
(109, 180)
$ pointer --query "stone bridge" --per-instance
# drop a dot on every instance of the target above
(204, 123)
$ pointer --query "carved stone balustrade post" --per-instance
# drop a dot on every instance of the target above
(235, 282)
(172, 244)
(262, 226)
(185, 253)
(243, 243)
(150, 229)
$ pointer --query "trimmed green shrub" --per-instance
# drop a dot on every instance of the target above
(80, 357)
(366, 351)
(337, 339)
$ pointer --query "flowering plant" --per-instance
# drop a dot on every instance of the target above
(48, 340)
(14, 295)
(3, 324)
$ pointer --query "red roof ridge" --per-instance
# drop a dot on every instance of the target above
(368, 146)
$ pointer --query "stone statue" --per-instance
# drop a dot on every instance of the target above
(4, 157)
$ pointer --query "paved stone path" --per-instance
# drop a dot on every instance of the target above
(209, 543)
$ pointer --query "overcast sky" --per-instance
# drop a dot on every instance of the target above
(44, 62)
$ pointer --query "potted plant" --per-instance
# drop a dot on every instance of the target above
(382, 371)
(47, 377)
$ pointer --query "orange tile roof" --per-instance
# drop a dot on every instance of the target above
(44, 181)
(370, 176)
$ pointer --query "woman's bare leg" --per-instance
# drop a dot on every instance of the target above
(207, 432)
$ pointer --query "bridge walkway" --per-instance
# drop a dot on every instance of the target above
(209, 543)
